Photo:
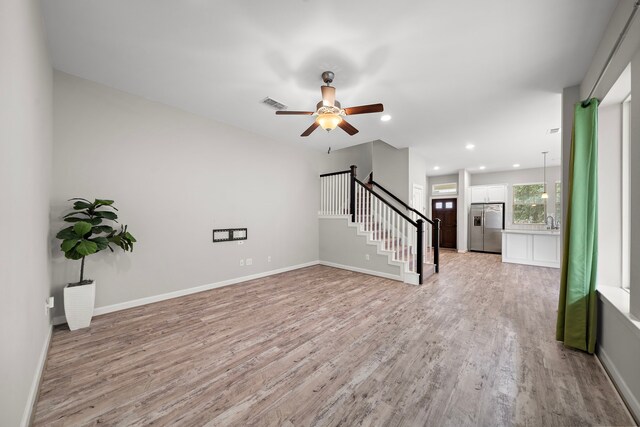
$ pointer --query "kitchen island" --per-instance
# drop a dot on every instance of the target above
(532, 247)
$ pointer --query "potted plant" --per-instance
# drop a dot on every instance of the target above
(92, 231)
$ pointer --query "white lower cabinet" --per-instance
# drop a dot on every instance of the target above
(541, 248)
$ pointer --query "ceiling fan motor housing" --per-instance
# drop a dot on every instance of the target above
(328, 77)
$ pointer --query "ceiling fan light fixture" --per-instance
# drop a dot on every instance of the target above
(328, 121)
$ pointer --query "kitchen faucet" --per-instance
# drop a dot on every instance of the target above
(553, 223)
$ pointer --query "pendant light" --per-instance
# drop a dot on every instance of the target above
(544, 175)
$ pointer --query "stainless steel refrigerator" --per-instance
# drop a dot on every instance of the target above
(486, 222)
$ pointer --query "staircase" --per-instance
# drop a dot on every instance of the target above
(396, 229)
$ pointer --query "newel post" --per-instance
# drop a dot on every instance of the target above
(352, 194)
(436, 244)
(420, 249)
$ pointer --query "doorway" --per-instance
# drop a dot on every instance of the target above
(446, 210)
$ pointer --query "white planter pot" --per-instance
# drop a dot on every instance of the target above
(78, 305)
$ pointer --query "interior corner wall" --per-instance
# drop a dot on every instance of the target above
(391, 168)
(339, 160)
(621, 59)
(25, 177)
(175, 177)
(417, 175)
(463, 209)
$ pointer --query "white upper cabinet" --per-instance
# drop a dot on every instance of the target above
(488, 193)
(497, 193)
(478, 194)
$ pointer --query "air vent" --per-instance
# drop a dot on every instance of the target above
(553, 130)
(274, 104)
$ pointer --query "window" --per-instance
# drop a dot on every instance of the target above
(444, 189)
(558, 216)
(438, 205)
(528, 204)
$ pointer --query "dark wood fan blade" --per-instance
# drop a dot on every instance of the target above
(310, 129)
(285, 112)
(346, 126)
(364, 109)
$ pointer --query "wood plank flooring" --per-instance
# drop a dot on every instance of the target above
(321, 346)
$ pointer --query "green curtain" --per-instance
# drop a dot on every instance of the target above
(577, 307)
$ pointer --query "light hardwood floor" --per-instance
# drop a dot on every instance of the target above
(474, 345)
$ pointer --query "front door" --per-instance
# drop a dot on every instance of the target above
(447, 212)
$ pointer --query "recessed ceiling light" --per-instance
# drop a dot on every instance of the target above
(469, 146)
(385, 118)
(435, 168)
(483, 167)
(516, 165)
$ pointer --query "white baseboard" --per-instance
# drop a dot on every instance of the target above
(362, 270)
(35, 383)
(618, 381)
(59, 320)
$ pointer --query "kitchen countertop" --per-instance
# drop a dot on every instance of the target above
(545, 232)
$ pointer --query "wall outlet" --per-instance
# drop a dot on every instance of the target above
(249, 261)
(48, 304)
(269, 258)
(367, 257)
(241, 263)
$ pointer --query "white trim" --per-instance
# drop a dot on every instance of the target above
(182, 292)
(620, 385)
(362, 270)
(620, 300)
(35, 383)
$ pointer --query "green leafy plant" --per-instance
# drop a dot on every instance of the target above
(92, 231)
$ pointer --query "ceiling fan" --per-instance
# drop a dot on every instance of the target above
(329, 113)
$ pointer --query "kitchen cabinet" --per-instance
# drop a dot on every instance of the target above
(488, 193)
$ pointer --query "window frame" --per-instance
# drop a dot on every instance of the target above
(625, 193)
(437, 193)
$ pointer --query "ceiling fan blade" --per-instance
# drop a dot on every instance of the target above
(346, 126)
(328, 96)
(310, 129)
(285, 112)
(364, 109)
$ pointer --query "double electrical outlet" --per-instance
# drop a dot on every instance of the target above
(249, 261)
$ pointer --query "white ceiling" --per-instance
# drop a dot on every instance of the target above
(449, 72)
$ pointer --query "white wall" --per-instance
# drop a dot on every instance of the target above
(417, 174)
(340, 245)
(25, 177)
(391, 169)
(175, 177)
(634, 181)
(339, 160)
(610, 195)
(521, 176)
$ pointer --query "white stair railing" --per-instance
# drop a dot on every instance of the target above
(334, 193)
(395, 231)
(341, 193)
